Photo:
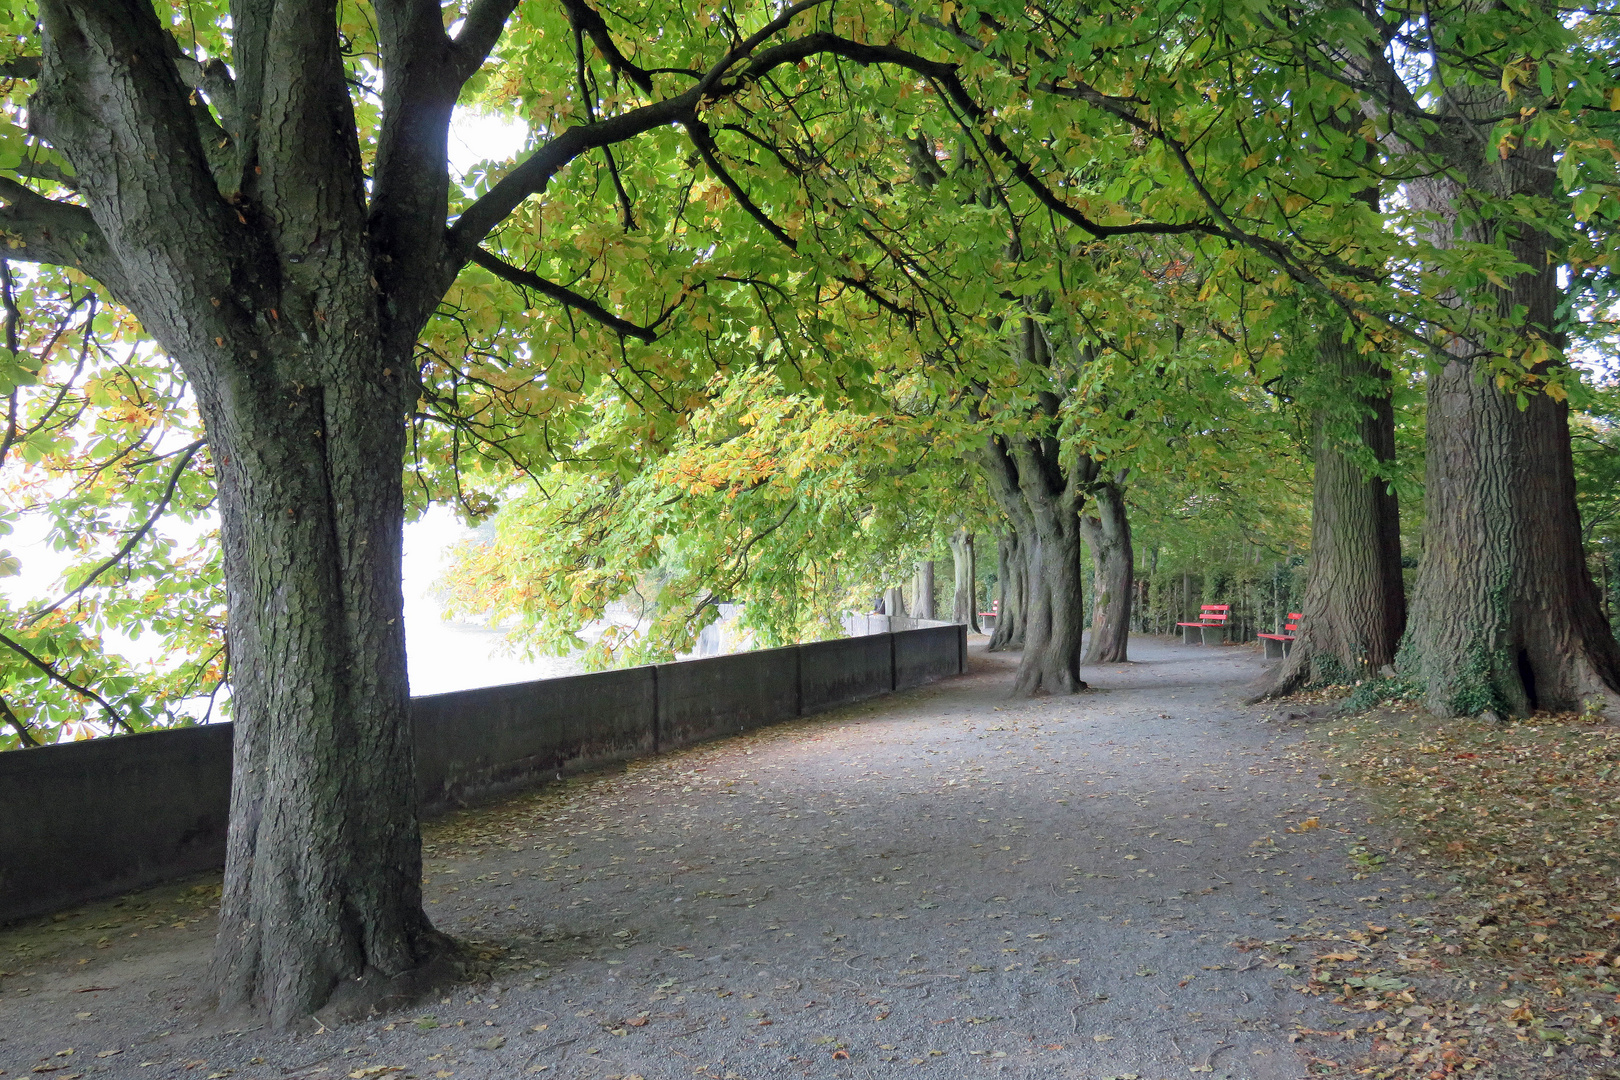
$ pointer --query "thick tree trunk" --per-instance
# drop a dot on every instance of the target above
(323, 865)
(1051, 660)
(964, 594)
(1041, 496)
(1012, 588)
(1355, 599)
(1505, 614)
(250, 253)
(1108, 535)
(922, 590)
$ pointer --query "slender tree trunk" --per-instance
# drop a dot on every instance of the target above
(894, 602)
(964, 596)
(1505, 615)
(1355, 599)
(922, 590)
(1012, 586)
(1108, 535)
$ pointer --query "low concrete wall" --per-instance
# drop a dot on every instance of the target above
(921, 656)
(843, 670)
(477, 743)
(93, 819)
(722, 695)
(96, 818)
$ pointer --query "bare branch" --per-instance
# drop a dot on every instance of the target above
(586, 20)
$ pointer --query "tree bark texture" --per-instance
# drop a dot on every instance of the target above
(1355, 598)
(964, 594)
(922, 590)
(1012, 589)
(1108, 535)
(1505, 615)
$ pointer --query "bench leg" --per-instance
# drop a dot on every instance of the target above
(1274, 649)
(1213, 635)
(1192, 635)
(1287, 647)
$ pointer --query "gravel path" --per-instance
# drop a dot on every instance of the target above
(942, 883)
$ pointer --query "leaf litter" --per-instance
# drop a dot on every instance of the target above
(1513, 969)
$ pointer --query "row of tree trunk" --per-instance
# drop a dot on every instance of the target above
(1507, 615)
(964, 592)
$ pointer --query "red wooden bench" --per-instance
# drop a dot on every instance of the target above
(1280, 645)
(1210, 629)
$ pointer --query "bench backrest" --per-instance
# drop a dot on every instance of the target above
(1214, 613)
(1294, 619)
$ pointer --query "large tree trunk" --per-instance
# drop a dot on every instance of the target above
(1051, 660)
(964, 595)
(323, 865)
(1355, 599)
(254, 259)
(922, 590)
(1041, 496)
(1012, 588)
(1108, 535)
(1505, 615)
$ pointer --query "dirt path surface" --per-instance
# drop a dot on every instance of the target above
(941, 883)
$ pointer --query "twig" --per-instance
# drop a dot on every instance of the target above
(56, 676)
(163, 504)
(548, 1049)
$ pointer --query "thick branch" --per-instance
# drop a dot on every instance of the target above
(54, 232)
(17, 725)
(480, 30)
(20, 67)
